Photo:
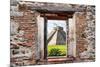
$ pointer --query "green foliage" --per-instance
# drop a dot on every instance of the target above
(54, 52)
(57, 50)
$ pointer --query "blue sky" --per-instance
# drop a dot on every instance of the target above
(53, 23)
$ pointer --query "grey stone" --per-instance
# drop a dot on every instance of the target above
(16, 13)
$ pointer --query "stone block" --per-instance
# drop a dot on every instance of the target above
(16, 13)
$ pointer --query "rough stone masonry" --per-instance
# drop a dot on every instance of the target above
(24, 32)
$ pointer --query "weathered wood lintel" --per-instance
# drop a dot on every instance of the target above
(44, 7)
(56, 16)
(54, 11)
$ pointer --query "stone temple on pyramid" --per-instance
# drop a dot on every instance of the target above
(57, 36)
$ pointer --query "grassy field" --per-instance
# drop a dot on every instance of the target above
(62, 49)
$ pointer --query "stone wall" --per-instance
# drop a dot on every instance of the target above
(85, 34)
(24, 34)
(26, 37)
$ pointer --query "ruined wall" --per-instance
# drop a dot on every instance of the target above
(81, 36)
(26, 36)
(85, 34)
(24, 33)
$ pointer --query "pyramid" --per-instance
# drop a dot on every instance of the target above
(57, 36)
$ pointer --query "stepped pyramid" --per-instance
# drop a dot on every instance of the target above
(57, 36)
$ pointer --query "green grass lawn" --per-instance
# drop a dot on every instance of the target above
(59, 48)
